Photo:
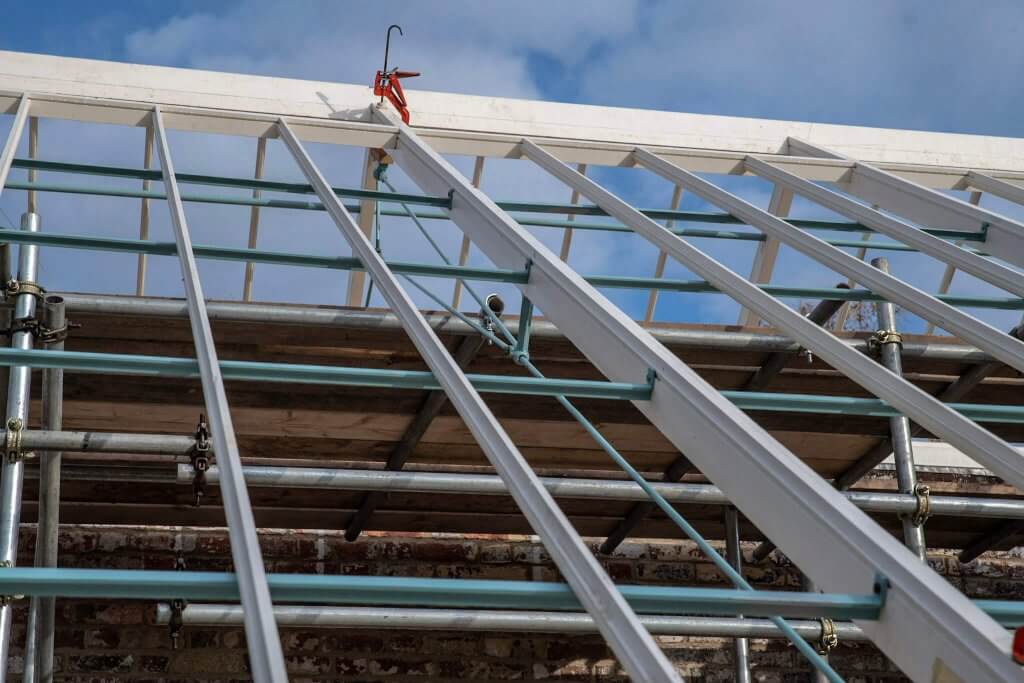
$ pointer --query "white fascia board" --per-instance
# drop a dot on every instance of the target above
(479, 125)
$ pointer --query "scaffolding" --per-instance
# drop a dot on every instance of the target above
(875, 587)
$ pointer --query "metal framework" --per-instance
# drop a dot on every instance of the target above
(878, 585)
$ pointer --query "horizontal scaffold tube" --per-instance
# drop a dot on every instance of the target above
(595, 489)
(81, 361)
(518, 621)
(698, 217)
(391, 591)
(69, 241)
(395, 197)
(162, 366)
(378, 319)
(407, 591)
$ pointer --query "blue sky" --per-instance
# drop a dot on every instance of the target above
(947, 66)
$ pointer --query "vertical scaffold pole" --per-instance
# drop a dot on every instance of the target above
(734, 556)
(42, 611)
(12, 470)
(889, 345)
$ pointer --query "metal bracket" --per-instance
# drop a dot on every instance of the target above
(924, 506)
(12, 441)
(177, 622)
(200, 459)
(829, 639)
(882, 337)
(15, 287)
(8, 599)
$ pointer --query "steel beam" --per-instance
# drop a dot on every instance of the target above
(912, 401)
(432, 405)
(264, 645)
(635, 648)
(12, 469)
(503, 621)
(783, 497)
(984, 269)
(968, 328)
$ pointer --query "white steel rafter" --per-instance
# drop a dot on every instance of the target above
(784, 497)
(636, 649)
(264, 645)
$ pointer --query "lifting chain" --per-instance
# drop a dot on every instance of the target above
(829, 639)
(200, 458)
(177, 622)
(924, 505)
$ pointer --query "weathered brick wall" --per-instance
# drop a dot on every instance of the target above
(117, 641)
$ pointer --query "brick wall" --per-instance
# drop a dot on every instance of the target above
(117, 641)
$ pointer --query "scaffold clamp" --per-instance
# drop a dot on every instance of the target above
(924, 507)
(200, 458)
(829, 639)
(14, 287)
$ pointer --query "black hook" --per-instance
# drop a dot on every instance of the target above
(387, 49)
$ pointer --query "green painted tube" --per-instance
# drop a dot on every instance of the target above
(161, 366)
(333, 589)
(252, 371)
(392, 197)
(61, 240)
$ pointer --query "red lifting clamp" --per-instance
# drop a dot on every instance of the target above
(387, 83)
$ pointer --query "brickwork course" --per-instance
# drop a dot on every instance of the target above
(119, 641)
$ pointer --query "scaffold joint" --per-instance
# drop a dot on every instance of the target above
(200, 458)
(12, 440)
(924, 507)
(882, 337)
(829, 639)
(14, 287)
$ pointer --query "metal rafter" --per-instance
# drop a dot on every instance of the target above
(1005, 237)
(781, 495)
(264, 645)
(968, 328)
(625, 634)
(988, 270)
